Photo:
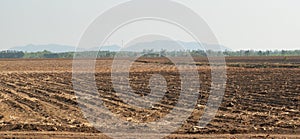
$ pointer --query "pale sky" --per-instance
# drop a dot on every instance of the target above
(237, 24)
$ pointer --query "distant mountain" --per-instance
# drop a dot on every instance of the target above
(56, 48)
(138, 47)
(173, 46)
(49, 47)
(112, 48)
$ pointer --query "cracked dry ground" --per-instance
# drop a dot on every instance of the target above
(37, 95)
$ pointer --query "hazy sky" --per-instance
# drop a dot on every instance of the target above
(238, 24)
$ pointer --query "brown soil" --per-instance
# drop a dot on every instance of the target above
(37, 98)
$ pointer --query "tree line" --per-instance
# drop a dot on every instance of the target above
(145, 53)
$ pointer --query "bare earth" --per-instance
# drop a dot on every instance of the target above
(261, 98)
(61, 135)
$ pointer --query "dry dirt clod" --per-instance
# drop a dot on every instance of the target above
(230, 104)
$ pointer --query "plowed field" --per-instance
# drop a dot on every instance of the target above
(262, 98)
